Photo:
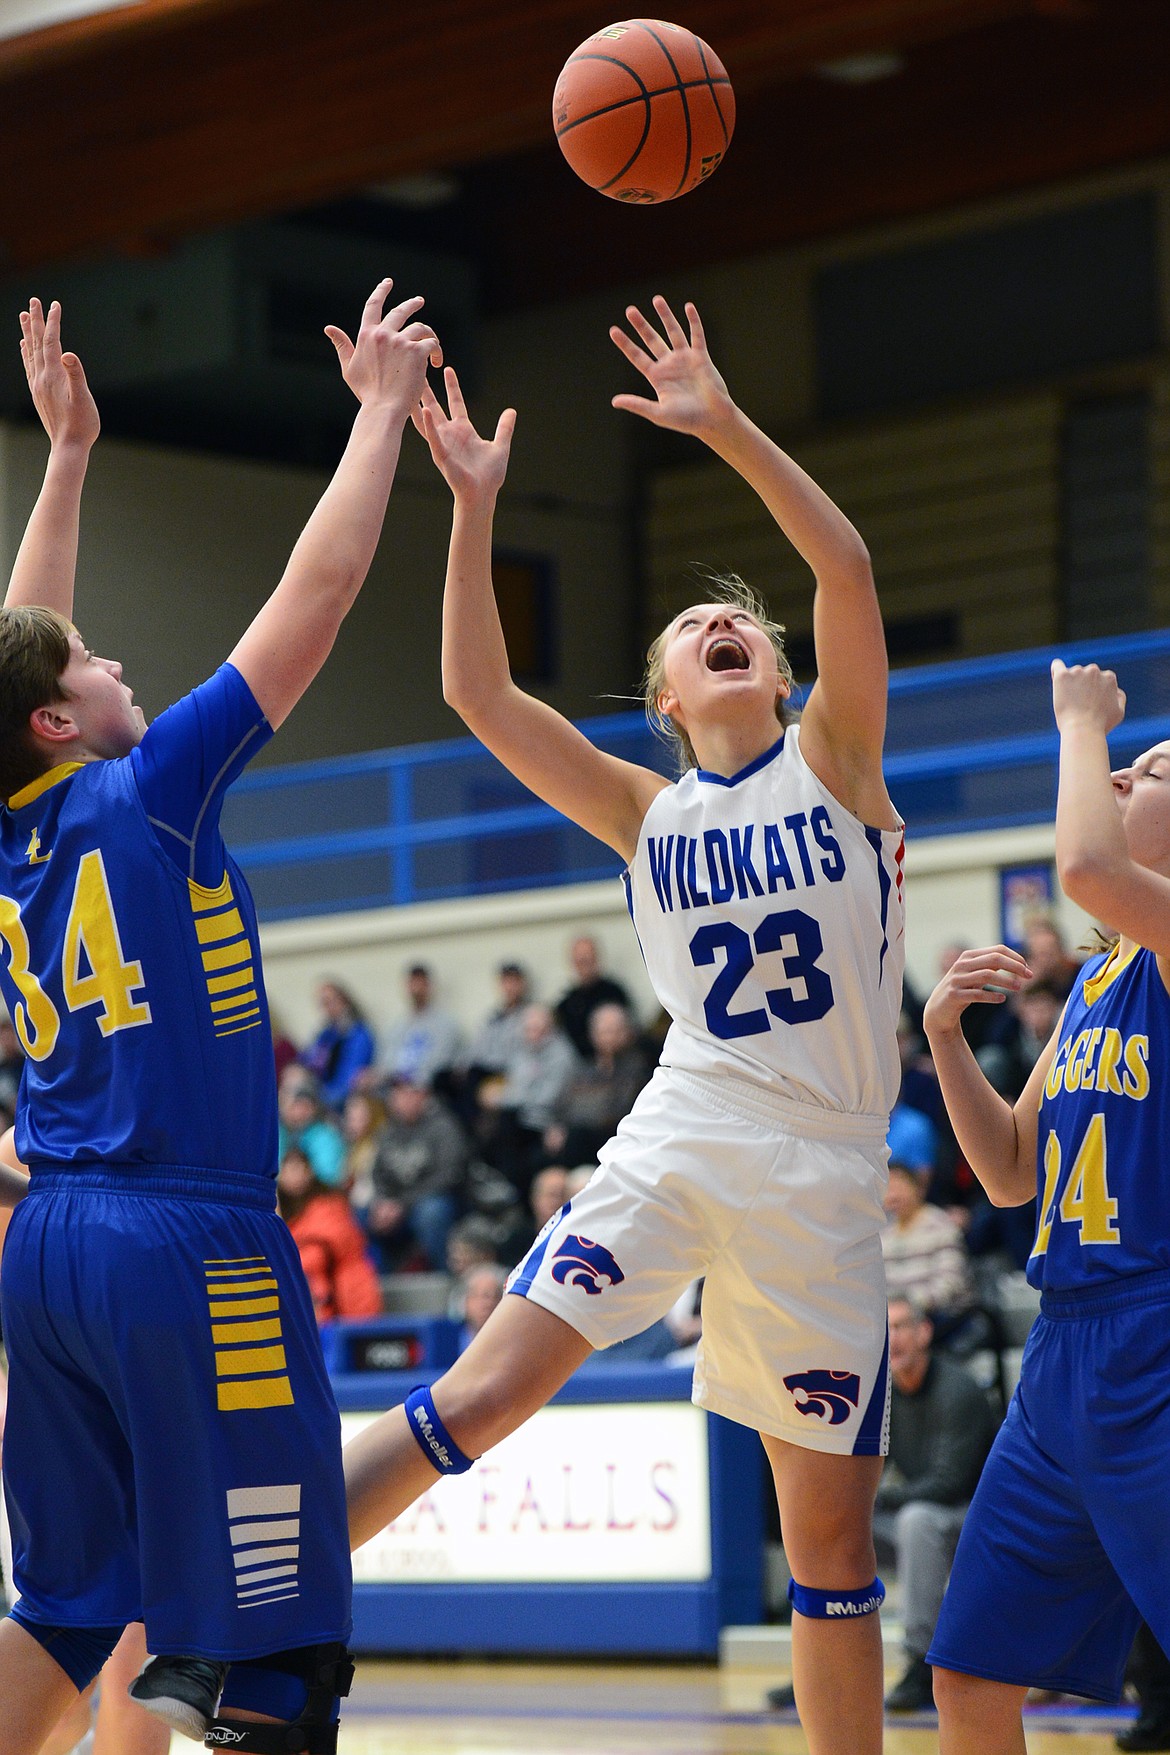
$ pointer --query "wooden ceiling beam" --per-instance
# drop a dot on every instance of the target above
(999, 110)
(180, 115)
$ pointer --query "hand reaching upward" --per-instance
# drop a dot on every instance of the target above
(56, 380)
(388, 362)
(689, 393)
(469, 464)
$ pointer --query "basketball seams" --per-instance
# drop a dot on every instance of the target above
(686, 171)
(644, 96)
(702, 48)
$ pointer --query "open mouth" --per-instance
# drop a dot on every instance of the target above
(726, 653)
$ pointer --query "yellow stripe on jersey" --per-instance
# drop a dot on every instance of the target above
(234, 1001)
(224, 945)
(227, 956)
(249, 1373)
(237, 978)
(257, 1392)
(1107, 974)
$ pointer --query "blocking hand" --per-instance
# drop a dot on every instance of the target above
(468, 463)
(56, 380)
(387, 364)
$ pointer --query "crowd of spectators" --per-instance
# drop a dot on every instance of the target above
(392, 1139)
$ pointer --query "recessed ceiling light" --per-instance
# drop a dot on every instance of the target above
(418, 191)
(863, 69)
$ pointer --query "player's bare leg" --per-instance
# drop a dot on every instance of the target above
(517, 1361)
(35, 1692)
(826, 1520)
(123, 1728)
(978, 1717)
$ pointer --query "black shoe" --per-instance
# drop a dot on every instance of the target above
(183, 1691)
(781, 1699)
(1150, 1730)
(915, 1691)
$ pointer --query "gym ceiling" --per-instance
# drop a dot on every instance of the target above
(126, 130)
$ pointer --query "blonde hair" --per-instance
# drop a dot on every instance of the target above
(34, 651)
(726, 588)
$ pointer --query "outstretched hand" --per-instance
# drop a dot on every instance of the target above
(689, 393)
(56, 380)
(469, 464)
(387, 363)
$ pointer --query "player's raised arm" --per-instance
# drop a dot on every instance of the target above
(843, 725)
(605, 796)
(1104, 819)
(292, 635)
(46, 561)
(997, 1139)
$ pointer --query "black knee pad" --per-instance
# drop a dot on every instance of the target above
(325, 1674)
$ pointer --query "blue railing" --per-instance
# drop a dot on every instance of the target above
(970, 745)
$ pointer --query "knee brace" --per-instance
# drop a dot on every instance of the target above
(433, 1438)
(304, 1687)
(80, 1651)
(834, 1605)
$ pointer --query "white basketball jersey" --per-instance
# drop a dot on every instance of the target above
(773, 927)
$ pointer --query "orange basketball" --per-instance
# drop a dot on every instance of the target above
(643, 110)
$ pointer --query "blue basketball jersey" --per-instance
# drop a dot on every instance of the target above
(129, 953)
(1104, 1116)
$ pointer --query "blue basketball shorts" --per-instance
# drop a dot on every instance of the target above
(1067, 1541)
(172, 1451)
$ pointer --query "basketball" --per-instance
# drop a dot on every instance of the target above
(643, 111)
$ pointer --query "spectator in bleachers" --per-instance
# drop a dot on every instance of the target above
(471, 1242)
(941, 1428)
(304, 1123)
(424, 1045)
(1038, 1007)
(546, 1197)
(343, 1048)
(601, 1091)
(501, 1035)
(590, 989)
(578, 1178)
(284, 1049)
(548, 1194)
(331, 1243)
(1047, 955)
(912, 1139)
(480, 1291)
(417, 1174)
(926, 1258)
(362, 1119)
(525, 1104)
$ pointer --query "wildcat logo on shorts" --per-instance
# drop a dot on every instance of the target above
(835, 1393)
(581, 1262)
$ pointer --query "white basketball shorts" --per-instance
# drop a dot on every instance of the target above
(779, 1205)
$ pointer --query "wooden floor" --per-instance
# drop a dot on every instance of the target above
(636, 1709)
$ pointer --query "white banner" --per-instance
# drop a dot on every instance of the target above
(617, 1492)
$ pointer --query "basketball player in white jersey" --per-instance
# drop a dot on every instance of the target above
(766, 890)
